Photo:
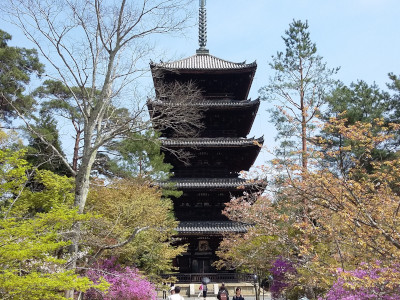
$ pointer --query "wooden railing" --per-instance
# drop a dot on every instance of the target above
(214, 277)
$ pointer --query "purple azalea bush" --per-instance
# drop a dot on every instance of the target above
(280, 269)
(126, 283)
(347, 289)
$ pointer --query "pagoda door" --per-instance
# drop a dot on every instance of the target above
(203, 265)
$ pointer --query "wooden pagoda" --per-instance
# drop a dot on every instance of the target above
(218, 153)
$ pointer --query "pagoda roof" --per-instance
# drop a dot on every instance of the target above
(211, 183)
(203, 62)
(211, 227)
(211, 103)
(211, 142)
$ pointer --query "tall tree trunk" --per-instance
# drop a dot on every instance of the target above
(304, 158)
(75, 158)
(303, 109)
(304, 155)
(82, 181)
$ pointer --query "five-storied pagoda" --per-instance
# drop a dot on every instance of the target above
(218, 153)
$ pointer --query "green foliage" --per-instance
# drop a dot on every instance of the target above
(139, 155)
(40, 286)
(394, 117)
(28, 248)
(299, 49)
(24, 191)
(359, 102)
(135, 216)
(36, 238)
(32, 259)
(40, 154)
(48, 191)
(12, 174)
(394, 85)
(16, 67)
(152, 252)
(300, 83)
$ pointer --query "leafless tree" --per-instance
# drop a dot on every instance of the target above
(96, 46)
(183, 100)
(177, 111)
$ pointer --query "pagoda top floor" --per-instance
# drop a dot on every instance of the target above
(216, 78)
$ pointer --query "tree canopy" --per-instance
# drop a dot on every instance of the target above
(300, 84)
(34, 228)
(17, 65)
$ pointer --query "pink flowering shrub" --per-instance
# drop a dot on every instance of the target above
(367, 282)
(126, 283)
(280, 270)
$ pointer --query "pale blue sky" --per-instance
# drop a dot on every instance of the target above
(360, 36)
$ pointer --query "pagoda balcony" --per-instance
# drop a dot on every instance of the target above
(221, 118)
(214, 277)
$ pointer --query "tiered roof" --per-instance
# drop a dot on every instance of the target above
(215, 77)
(211, 103)
(203, 62)
(220, 151)
(211, 227)
(211, 183)
(211, 142)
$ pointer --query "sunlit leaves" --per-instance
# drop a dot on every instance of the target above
(327, 218)
(137, 217)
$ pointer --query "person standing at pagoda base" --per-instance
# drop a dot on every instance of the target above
(200, 290)
(204, 291)
(238, 294)
(223, 293)
(176, 295)
(172, 291)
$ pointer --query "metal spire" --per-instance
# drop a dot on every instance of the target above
(202, 28)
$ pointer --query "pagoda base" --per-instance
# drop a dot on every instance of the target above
(200, 255)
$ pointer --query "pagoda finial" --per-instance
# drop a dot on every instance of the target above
(202, 28)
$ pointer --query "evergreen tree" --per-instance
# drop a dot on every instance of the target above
(16, 67)
(394, 117)
(300, 84)
(40, 154)
(139, 155)
(133, 154)
(358, 102)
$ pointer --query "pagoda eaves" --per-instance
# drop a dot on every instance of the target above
(215, 77)
(203, 62)
(211, 142)
(211, 227)
(229, 118)
(229, 184)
